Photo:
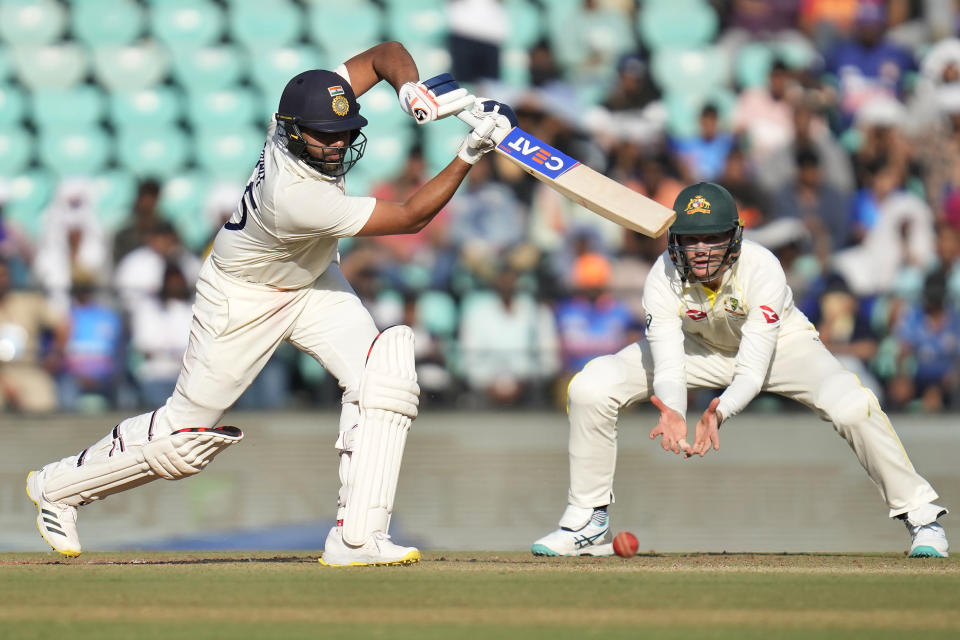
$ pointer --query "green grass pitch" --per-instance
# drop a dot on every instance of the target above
(463, 595)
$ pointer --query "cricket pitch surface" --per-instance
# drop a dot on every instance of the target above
(461, 595)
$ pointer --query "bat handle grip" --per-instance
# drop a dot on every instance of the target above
(467, 116)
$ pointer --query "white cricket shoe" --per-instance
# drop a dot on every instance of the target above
(57, 522)
(929, 541)
(378, 550)
(587, 540)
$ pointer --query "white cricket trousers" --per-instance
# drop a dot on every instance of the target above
(802, 369)
(236, 327)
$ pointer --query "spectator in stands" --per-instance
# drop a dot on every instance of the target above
(879, 125)
(72, 240)
(899, 237)
(591, 321)
(140, 274)
(93, 373)
(486, 218)
(143, 217)
(633, 89)
(629, 271)
(428, 250)
(929, 339)
(846, 331)
(938, 153)
(159, 333)
(811, 199)
(477, 30)
(703, 156)
(15, 246)
(867, 65)
(26, 362)
(810, 131)
(738, 178)
(508, 341)
(763, 116)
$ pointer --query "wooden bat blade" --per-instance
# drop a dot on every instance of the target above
(586, 187)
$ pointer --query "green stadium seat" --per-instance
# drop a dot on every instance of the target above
(6, 63)
(359, 181)
(417, 21)
(129, 68)
(50, 67)
(697, 71)
(81, 105)
(752, 65)
(267, 24)
(515, 67)
(195, 231)
(345, 28)
(97, 23)
(12, 103)
(683, 23)
(15, 150)
(114, 192)
(387, 152)
(186, 23)
(224, 108)
(526, 23)
(605, 33)
(160, 105)
(441, 140)
(29, 194)
(228, 154)
(31, 22)
(382, 110)
(74, 151)
(271, 69)
(160, 151)
(683, 109)
(209, 68)
(183, 195)
(437, 311)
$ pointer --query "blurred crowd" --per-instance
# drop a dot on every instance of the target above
(845, 162)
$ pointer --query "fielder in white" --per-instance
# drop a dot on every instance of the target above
(273, 276)
(721, 316)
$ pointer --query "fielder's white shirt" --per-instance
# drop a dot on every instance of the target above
(743, 318)
(285, 230)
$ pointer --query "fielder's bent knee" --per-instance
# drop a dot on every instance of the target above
(592, 385)
(843, 400)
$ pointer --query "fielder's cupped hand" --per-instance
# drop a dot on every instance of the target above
(708, 431)
(672, 428)
(434, 98)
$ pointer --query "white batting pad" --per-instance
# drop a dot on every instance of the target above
(180, 454)
(389, 397)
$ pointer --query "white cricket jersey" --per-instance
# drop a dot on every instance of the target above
(285, 230)
(745, 316)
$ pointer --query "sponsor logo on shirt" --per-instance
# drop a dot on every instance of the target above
(696, 314)
(769, 314)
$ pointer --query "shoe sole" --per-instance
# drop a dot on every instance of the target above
(69, 553)
(926, 551)
(411, 558)
(600, 550)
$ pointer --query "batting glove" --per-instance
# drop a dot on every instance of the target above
(433, 98)
(503, 115)
(478, 142)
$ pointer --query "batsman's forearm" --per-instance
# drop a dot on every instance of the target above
(388, 61)
(427, 202)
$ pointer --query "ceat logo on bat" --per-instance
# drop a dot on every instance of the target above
(696, 314)
(536, 154)
(769, 314)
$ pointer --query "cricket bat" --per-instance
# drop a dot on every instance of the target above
(580, 183)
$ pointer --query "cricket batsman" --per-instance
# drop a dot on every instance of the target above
(721, 316)
(273, 276)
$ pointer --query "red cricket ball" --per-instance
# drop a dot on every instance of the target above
(625, 544)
